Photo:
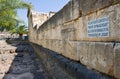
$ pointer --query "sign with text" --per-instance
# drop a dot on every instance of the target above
(98, 27)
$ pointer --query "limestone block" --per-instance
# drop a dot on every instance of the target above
(47, 44)
(68, 31)
(44, 43)
(45, 34)
(56, 33)
(53, 43)
(80, 29)
(39, 35)
(57, 46)
(83, 52)
(117, 61)
(88, 7)
(97, 55)
(76, 11)
(49, 34)
(70, 50)
(67, 12)
(50, 44)
(59, 17)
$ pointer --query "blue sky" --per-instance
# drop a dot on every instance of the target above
(43, 6)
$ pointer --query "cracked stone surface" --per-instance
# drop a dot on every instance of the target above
(18, 61)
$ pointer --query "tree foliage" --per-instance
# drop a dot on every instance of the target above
(21, 29)
(8, 12)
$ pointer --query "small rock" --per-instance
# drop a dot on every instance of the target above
(40, 70)
(1, 52)
(2, 71)
(25, 76)
(12, 51)
(3, 59)
(19, 55)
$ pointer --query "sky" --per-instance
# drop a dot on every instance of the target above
(42, 6)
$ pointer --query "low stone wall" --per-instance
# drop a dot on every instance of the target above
(84, 31)
(60, 67)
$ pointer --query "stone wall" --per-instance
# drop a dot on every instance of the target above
(84, 31)
(60, 67)
(39, 18)
(5, 35)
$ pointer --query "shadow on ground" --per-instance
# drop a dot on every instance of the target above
(18, 61)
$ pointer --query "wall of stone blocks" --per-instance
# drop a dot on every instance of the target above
(66, 33)
(60, 67)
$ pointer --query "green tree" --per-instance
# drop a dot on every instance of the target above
(8, 12)
(21, 29)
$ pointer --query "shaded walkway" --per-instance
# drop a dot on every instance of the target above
(18, 61)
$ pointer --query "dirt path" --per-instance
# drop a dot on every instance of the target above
(18, 61)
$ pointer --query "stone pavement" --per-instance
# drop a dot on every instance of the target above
(18, 61)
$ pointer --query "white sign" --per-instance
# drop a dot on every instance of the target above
(98, 27)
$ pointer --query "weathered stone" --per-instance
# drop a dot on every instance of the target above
(66, 33)
(2, 71)
(12, 51)
(97, 55)
(117, 61)
(70, 50)
(60, 67)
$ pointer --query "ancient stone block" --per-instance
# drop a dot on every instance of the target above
(57, 46)
(97, 55)
(117, 60)
(70, 50)
(88, 7)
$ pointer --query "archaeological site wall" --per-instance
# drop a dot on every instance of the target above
(87, 31)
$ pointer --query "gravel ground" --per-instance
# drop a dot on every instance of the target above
(18, 61)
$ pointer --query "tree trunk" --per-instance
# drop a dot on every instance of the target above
(21, 36)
